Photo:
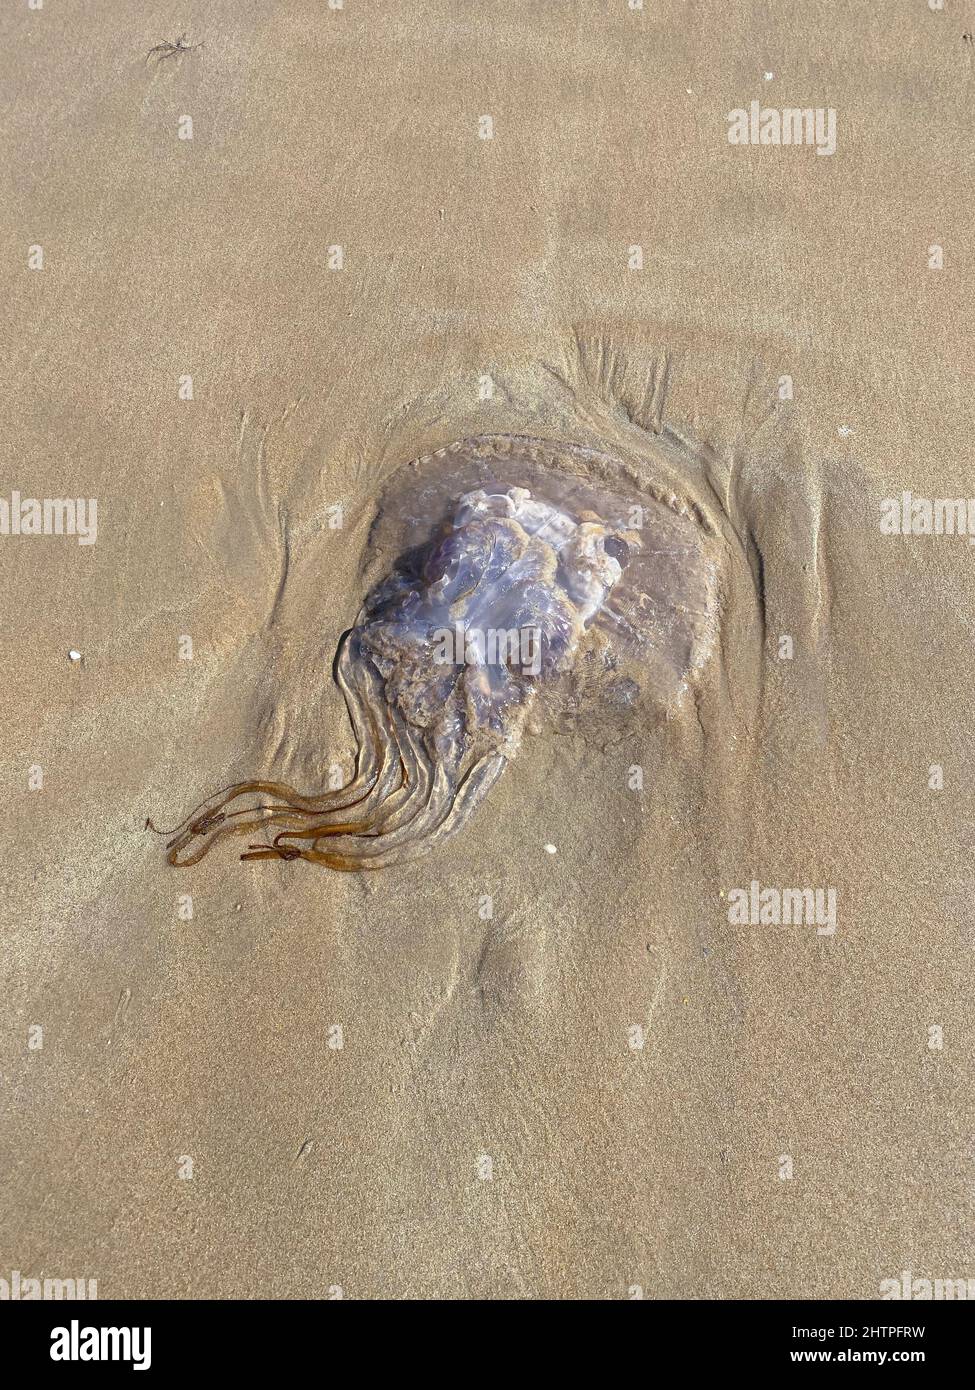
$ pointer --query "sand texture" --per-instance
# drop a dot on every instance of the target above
(543, 1061)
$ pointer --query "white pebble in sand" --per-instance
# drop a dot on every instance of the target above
(551, 849)
(75, 656)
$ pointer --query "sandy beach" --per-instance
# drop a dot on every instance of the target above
(247, 280)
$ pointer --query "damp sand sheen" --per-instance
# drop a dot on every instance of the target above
(521, 563)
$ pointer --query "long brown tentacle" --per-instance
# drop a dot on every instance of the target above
(376, 765)
(446, 809)
(460, 804)
(384, 817)
(406, 792)
(396, 818)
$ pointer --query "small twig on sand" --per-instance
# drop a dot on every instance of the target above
(167, 48)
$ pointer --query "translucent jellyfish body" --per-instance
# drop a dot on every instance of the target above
(510, 555)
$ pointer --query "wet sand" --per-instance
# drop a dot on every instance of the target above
(491, 1126)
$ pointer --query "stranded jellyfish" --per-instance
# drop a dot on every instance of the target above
(521, 565)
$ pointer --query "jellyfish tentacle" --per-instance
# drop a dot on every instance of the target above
(455, 807)
(401, 779)
(211, 821)
(455, 789)
(394, 815)
(415, 829)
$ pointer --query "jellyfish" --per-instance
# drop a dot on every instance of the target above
(512, 555)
